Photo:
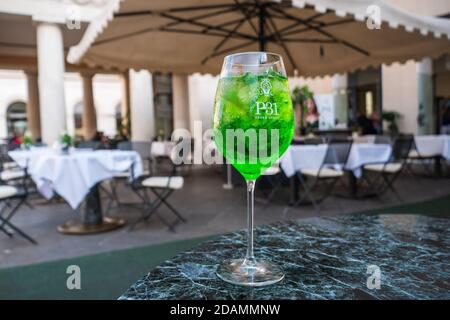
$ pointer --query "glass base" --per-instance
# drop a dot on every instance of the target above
(250, 273)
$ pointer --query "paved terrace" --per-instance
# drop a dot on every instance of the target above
(208, 208)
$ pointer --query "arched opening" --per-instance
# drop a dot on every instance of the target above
(16, 118)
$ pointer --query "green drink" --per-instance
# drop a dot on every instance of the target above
(258, 109)
(253, 126)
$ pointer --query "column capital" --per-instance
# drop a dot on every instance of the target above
(38, 22)
(87, 74)
(30, 73)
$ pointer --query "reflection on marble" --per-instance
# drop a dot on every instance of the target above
(324, 258)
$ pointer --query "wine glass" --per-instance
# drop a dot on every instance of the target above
(253, 126)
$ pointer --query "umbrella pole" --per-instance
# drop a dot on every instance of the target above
(261, 35)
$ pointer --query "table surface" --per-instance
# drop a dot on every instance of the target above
(324, 258)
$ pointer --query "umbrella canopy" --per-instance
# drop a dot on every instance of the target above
(315, 37)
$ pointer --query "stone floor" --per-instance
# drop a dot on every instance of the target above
(208, 207)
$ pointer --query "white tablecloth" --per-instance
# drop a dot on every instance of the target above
(73, 175)
(438, 145)
(366, 153)
(298, 157)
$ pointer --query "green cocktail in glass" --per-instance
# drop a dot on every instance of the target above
(253, 126)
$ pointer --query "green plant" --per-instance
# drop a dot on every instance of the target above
(300, 95)
(391, 117)
(27, 141)
(66, 140)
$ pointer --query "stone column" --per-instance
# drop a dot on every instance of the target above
(339, 85)
(89, 117)
(50, 51)
(126, 114)
(427, 116)
(141, 109)
(33, 113)
(180, 98)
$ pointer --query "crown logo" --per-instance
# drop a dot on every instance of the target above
(266, 86)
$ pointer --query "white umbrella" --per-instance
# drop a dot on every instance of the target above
(316, 37)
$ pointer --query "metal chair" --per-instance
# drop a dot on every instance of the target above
(91, 144)
(424, 159)
(387, 172)
(383, 139)
(314, 140)
(161, 187)
(8, 195)
(143, 149)
(330, 172)
(275, 177)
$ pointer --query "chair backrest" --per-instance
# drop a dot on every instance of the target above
(4, 157)
(39, 144)
(125, 145)
(401, 147)
(92, 144)
(383, 139)
(142, 147)
(337, 153)
(313, 140)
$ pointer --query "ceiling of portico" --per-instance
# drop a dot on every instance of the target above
(18, 35)
(18, 43)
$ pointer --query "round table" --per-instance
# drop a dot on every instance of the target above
(75, 176)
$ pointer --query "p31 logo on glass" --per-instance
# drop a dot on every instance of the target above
(265, 109)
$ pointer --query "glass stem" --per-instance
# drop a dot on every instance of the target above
(250, 217)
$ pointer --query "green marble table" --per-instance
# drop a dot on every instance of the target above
(323, 258)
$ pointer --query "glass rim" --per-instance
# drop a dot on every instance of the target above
(278, 56)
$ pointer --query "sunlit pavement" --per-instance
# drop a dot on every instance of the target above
(208, 207)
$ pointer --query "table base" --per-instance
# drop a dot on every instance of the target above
(78, 227)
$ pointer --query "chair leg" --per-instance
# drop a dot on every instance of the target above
(373, 185)
(6, 222)
(389, 185)
(145, 216)
(307, 193)
(163, 198)
(328, 189)
(114, 193)
(9, 234)
(275, 187)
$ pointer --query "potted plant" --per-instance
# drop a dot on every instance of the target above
(300, 96)
(391, 117)
(66, 142)
(27, 141)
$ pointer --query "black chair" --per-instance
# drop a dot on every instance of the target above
(91, 144)
(12, 198)
(329, 173)
(425, 159)
(143, 149)
(161, 187)
(274, 178)
(387, 172)
(314, 140)
(383, 139)
(125, 145)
